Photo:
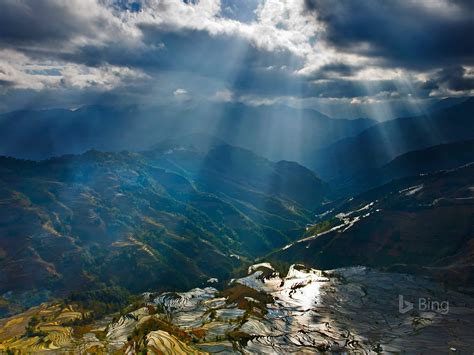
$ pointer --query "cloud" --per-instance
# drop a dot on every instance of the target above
(250, 50)
(40, 25)
(224, 95)
(179, 92)
(456, 78)
(409, 34)
(16, 69)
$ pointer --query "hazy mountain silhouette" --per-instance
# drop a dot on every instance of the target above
(275, 132)
(383, 142)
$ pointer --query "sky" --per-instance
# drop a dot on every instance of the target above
(345, 58)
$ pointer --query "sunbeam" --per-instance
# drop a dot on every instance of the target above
(245, 177)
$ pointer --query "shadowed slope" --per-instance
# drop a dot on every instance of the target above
(76, 222)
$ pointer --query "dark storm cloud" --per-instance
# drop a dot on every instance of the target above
(47, 22)
(211, 54)
(334, 70)
(429, 85)
(22, 22)
(231, 59)
(41, 29)
(338, 68)
(176, 52)
(286, 84)
(246, 69)
(400, 33)
(341, 88)
(455, 78)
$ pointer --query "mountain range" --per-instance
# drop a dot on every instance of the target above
(423, 161)
(416, 224)
(381, 143)
(275, 132)
(176, 216)
(192, 208)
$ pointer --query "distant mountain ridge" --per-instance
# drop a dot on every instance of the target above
(276, 132)
(439, 157)
(428, 160)
(381, 143)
